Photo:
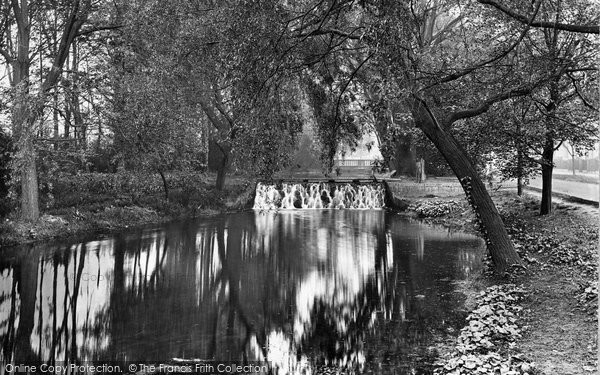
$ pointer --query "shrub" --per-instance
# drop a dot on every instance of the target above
(69, 190)
(434, 208)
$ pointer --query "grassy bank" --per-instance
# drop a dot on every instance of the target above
(552, 317)
(92, 204)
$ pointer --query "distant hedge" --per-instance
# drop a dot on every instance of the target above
(67, 190)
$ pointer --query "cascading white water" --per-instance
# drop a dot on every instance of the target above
(319, 195)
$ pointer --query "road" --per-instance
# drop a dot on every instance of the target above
(575, 189)
(578, 173)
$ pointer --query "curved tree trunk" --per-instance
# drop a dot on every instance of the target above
(165, 184)
(491, 226)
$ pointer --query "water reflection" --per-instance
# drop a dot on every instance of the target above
(297, 289)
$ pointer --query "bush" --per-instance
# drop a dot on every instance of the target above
(484, 344)
(70, 190)
(434, 208)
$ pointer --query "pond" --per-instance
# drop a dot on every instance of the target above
(364, 289)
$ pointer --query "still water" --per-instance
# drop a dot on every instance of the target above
(299, 289)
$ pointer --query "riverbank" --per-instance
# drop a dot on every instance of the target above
(74, 215)
(556, 326)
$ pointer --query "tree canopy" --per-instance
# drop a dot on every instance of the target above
(157, 82)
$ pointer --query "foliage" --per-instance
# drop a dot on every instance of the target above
(434, 208)
(492, 329)
(335, 126)
(159, 131)
(71, 190)
(186, 70)
(555, 250)
(156, 125)
(588, 297)
(265, 142)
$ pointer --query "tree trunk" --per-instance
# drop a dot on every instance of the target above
(30, 208)
(27, 110)
(547, 167)
(24, 131)
(23, 119)
(22, 122)
(520, 169)
(165, 185)
(548, 151)
(491, 226)
(55, 121)
(222, 172)
(551, 39)
(405, 157)
(75, 106)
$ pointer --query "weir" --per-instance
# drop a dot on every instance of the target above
(320, 195)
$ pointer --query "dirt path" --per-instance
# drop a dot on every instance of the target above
(561, 338)
(561, 250)
(562, 335)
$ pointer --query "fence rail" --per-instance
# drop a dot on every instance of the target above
(412, 189)
(352, 162)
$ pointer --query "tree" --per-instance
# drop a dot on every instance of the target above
(560, 53)
(422, 72)
(159, 130)
(434, 78)
(449, 76)
(29, 97)
(441, 62)
(219, 58)
(509, 136)
(572, 153)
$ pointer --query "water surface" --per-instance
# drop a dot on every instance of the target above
(296, 288)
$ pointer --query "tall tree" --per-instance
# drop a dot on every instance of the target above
(450, 72)
(30, 95)
(220, 58)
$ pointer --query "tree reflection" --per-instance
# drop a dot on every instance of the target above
(292, 288)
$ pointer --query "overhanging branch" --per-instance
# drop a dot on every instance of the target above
(580, 94)
(93, 29)
(486, 105)
(468, 70)
(341, 33)
(586, 29)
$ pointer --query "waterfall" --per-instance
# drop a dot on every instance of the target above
(319, 195)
